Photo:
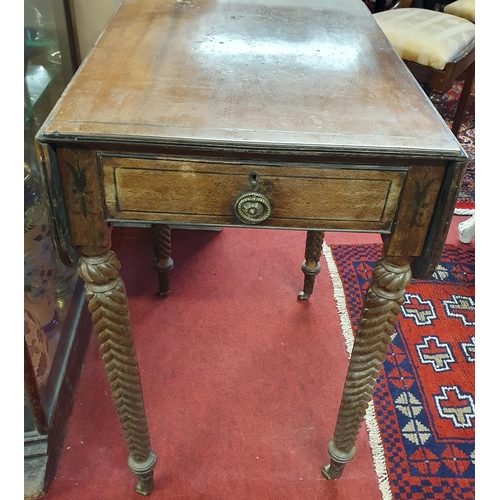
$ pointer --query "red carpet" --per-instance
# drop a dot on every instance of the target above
(424, 400)
(241, 381)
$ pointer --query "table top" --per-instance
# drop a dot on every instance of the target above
(308, 74)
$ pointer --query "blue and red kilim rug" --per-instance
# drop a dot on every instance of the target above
(421, 423)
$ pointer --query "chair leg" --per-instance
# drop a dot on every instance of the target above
(464, 98)
(437, 98)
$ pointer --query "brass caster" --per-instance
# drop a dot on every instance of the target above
(145, 485)
(144, 472)
(302, 296)
(338, 460)
(331, 471)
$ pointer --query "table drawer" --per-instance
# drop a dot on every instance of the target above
(288, 196)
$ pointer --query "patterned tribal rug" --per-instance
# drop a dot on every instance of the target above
(421, 421)
(467, 138)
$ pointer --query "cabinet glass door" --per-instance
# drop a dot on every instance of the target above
(49, 285)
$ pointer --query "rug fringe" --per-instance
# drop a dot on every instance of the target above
(338, 293)
(374, 436)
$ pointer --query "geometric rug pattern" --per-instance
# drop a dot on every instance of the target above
(424, 398)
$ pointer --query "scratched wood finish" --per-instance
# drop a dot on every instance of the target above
(149, 189)
(247, 79)
(270, 72)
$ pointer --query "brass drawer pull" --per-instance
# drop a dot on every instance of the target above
(252, 208)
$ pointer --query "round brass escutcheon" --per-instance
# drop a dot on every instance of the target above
(252, 208)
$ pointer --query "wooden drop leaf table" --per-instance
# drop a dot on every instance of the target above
(291, 114)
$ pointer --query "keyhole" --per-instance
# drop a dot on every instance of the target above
(253, 179)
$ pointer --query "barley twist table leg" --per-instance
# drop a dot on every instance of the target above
(107, 302)
(310, 266)
(163, 263)
(380, 312)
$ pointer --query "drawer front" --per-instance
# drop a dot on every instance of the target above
(288, 196)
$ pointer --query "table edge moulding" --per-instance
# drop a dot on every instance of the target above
(267, 114)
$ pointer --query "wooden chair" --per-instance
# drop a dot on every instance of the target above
(467, 10)
(436, 47)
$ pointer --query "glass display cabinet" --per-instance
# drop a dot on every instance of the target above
(56, 324)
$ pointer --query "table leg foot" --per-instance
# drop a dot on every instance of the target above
(379, 315)
(331, 471)
(163, 263)
(338, 460)
(310, 266)
(144, 472)
(108, 306)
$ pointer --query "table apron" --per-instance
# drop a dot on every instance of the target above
(343, 197)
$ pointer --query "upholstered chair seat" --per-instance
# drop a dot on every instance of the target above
(436, 47)
(426, 36)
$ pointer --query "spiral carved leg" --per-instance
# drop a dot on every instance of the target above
(107, 302)
(310, 266)
(380, 312)
(163, 263)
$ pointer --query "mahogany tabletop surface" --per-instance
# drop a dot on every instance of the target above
(286, 74)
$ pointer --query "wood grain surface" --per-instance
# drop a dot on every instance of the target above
(300, 196)
(308, 73)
